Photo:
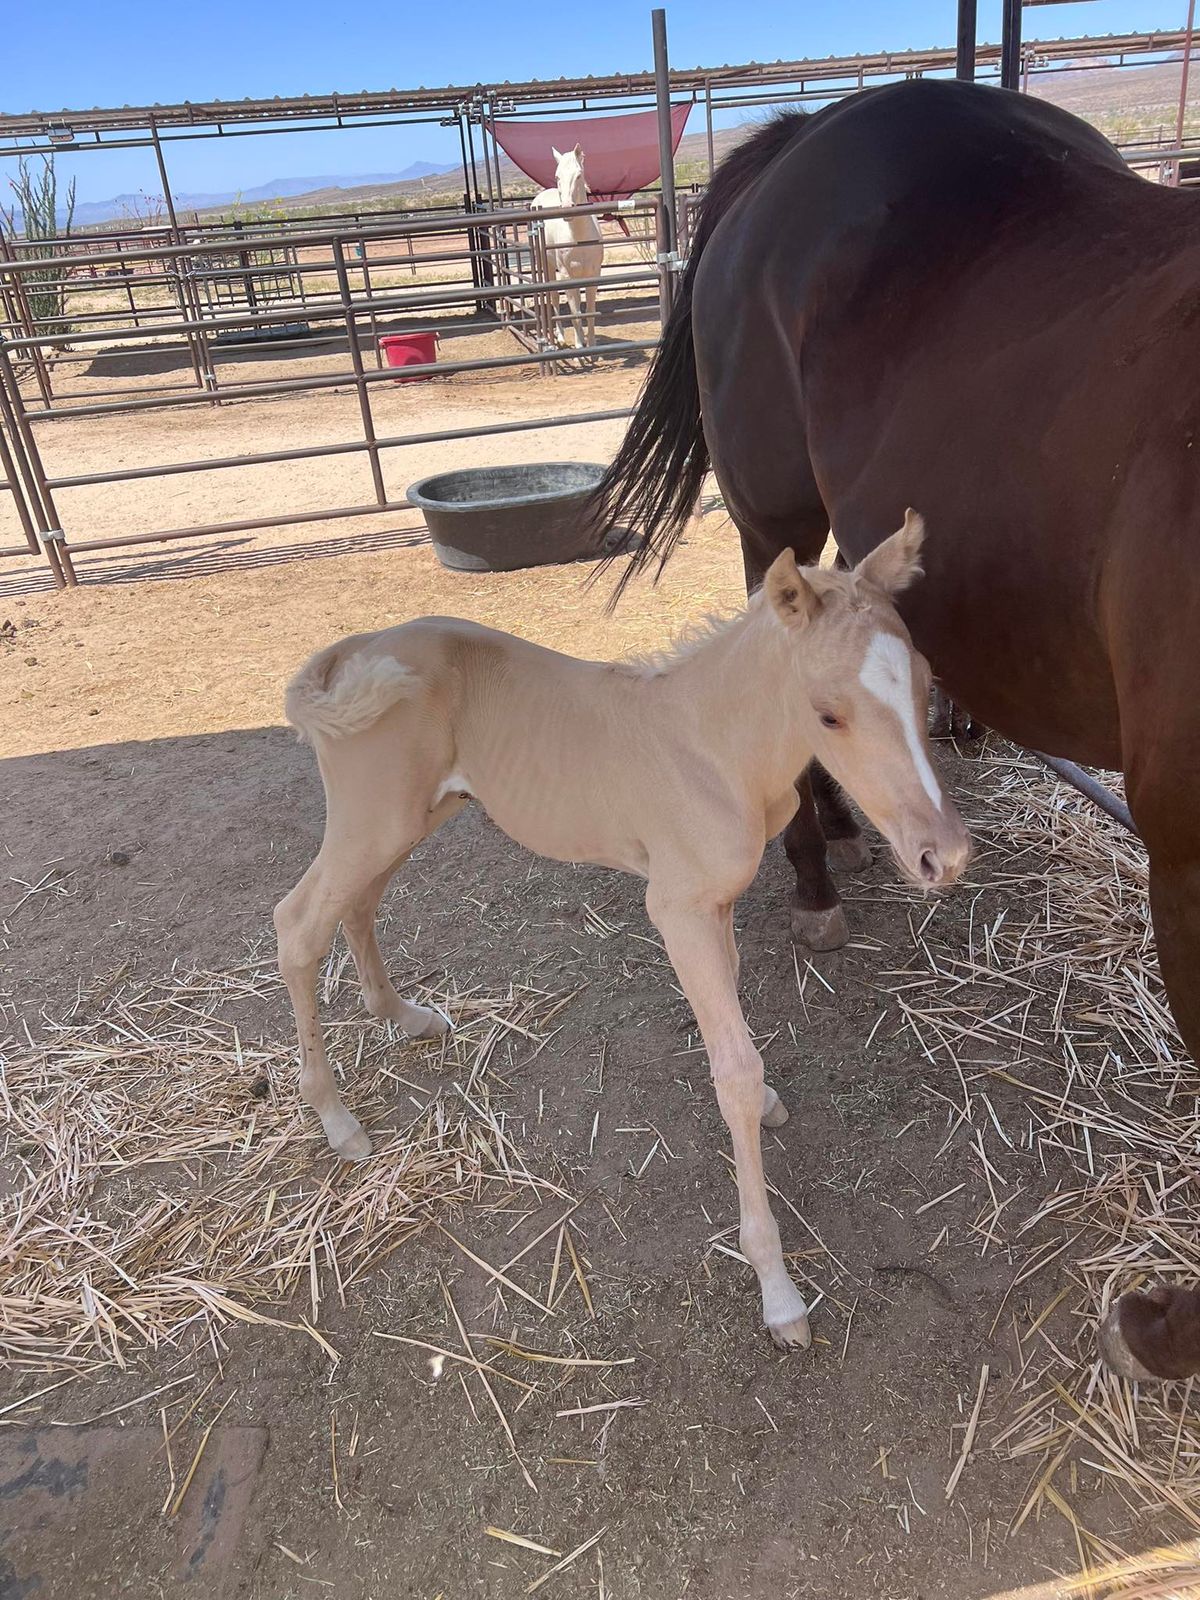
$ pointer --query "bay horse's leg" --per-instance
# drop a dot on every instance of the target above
(844, 843)
(697, 944)
(818, 920)
(948, 720)
(1157, 1333)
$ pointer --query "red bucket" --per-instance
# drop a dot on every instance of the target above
(410, 350)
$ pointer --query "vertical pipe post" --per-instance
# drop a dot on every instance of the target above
(462, 144)
(1010, 46)
(369, 292)
(41, 501)
(968, 30)
(495, 151)
(487, 164)
(666, 163)
(15, 483)
(1183, 90)
(27, 323)
(360, 380)
(189, 300)
(708, 127)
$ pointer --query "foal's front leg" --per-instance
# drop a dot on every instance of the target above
(774, 1112)
(697, 943)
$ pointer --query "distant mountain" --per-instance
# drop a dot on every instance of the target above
(91, 213)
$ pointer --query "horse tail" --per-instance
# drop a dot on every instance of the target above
(654, 482)
(343, 690)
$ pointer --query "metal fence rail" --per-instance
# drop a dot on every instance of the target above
(314, 291)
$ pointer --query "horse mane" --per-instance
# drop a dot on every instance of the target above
(693, 638)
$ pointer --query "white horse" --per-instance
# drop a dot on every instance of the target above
(573, 244)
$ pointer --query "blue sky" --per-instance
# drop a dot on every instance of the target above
(141, 51)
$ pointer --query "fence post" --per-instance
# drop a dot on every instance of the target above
(964, 56)
(41, 501)
(16, 485)
(360, 380)
(1181, 118)
(667, 257)
(28, 322)
(1010, 45)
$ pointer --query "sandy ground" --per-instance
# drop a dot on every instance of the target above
(148, 783)
(82, 445)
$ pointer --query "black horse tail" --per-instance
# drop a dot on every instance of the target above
(654, 482)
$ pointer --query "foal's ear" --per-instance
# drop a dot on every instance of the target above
(896, 563)
(557, 154)
(579, 152)
(789, 593)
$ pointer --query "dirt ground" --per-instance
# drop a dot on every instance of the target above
(83, 445)
(157, 808)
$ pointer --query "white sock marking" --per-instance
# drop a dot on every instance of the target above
(887, 674)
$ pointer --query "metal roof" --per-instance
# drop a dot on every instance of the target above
(67, 127)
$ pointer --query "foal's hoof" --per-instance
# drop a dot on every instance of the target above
(436, 1025)
(793, 1335)
(849, 855)
(775, 1114)
(348, 1140)
(820, 930)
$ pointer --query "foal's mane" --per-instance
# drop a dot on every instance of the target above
(693, 638)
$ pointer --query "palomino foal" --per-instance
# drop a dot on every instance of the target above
(677, 769)
(574, 244)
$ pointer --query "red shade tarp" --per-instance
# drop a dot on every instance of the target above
(620, 153)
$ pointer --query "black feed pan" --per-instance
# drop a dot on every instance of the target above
(492, 519)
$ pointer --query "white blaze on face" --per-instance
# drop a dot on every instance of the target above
(887, 674)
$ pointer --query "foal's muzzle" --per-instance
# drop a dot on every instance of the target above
(940, 863)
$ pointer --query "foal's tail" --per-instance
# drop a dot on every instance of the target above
(654, 482)
(343, 690)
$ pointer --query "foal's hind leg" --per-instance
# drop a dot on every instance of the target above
(364, 839)
(305, 923)
(378, 992)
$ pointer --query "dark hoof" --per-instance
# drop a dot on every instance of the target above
(849, 855)
(948, 720)
(820, 930)
(1115, 1352)
(1152, 1335)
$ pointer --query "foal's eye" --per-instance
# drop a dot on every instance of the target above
(829, 720)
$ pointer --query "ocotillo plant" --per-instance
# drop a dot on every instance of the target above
(33, 220)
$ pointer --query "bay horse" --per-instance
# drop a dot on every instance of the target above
(678, 769)
(573, 244)
(961, 297)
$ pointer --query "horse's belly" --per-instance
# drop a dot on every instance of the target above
(555, 823)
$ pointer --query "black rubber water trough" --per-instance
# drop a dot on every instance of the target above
(492, 519)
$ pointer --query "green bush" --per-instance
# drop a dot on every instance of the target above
(35, 203)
